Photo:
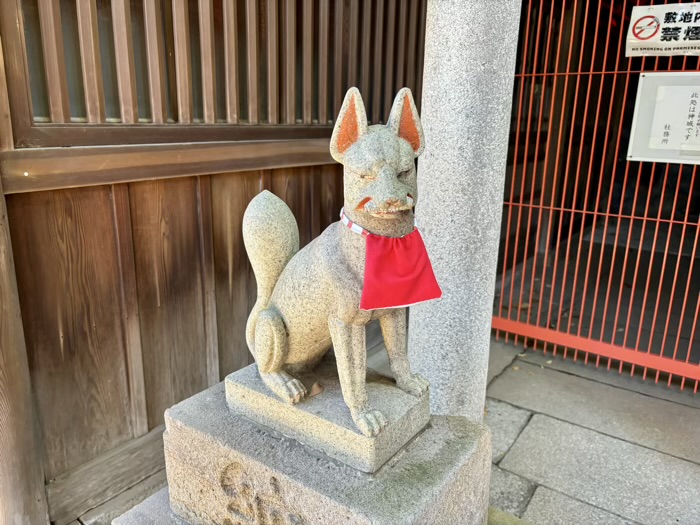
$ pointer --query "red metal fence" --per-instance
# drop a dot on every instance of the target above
(599, 256)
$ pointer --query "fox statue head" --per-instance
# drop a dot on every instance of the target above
(380, 187)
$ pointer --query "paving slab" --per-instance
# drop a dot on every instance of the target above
(509, 492)
(611, 377)
(622, 478)
(634, 417)
(548, 507)
(153, 511)
(378, 359)
(506, 422)
(500, 356)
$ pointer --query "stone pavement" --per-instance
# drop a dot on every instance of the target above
(573, 444)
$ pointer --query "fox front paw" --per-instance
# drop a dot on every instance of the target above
(413, 384)
(285, 386)
(369, 422)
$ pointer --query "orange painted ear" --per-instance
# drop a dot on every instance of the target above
(350, 125)
(405, 122)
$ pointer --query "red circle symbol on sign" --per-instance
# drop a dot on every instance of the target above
(646, 27)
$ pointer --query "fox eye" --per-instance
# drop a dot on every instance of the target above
(366, 176)
(404, 174)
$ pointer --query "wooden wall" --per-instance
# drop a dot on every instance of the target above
(132, 136)
(135, 296)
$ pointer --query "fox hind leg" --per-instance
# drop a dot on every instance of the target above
(270, 352)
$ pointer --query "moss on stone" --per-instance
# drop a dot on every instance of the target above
(497, 517)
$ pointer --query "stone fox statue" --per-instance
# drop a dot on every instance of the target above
(309, 300)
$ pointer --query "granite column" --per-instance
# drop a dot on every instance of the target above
(470, 52)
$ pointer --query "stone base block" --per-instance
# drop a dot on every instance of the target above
(226, 470)
(323, 422)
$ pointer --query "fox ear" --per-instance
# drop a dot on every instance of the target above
(350, 125)
(405, 122)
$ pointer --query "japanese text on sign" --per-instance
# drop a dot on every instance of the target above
(666, 125)
(667, 30)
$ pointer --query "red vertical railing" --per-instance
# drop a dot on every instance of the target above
(598, 255)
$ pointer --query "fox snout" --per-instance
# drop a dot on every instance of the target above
(395, 205)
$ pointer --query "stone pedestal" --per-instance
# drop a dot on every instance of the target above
(323, 422)
(224, 469)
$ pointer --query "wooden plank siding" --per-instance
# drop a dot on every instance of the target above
(137, 300)
(122, 228)
(170, 294)
(69, 292)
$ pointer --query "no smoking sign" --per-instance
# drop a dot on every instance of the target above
(646, 27)
(664, 30)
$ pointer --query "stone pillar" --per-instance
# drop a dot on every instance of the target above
(470, 52)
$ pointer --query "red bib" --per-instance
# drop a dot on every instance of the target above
(398, 272)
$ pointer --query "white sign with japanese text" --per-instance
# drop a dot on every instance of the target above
(664, 30)
(666, 123)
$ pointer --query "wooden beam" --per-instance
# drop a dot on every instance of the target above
(22, 497)
(354, 45)
(91, 484)
(106, 512)
(231, 61)
(64, 135)
(90, 60)
(324, 47)
(273, 89)
(155, 54)
(400, 58)
(15, 54)
(206, 46)
(378, 63)
(124, 56)
(411, 56)
(6, 137)
(338, 69)
(41, 169)
(389, 63)
(251, 31)
(183, 67)
(54, 60)
(368, 11)
(307, 62)
(290, 58)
